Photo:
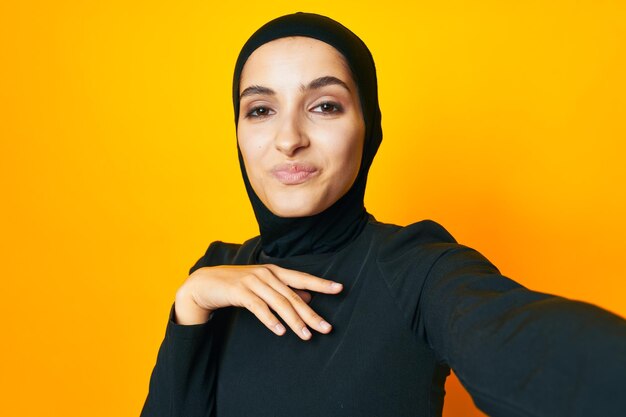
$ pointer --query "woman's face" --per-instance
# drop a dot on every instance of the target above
(300, 127)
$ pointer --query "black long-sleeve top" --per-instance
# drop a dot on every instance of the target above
(415, 303)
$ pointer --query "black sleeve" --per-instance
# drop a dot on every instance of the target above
(521, 353)
(184, 377)
(183, 380)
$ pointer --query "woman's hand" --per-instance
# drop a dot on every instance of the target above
(258, 288)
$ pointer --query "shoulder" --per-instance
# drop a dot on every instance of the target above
(427, 247)
(224, 253)
(426, 236)
(406, 255)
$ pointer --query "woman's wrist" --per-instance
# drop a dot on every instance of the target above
(186, 310)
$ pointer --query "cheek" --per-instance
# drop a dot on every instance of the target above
(345, 147)
(353, 135)
(251, 147)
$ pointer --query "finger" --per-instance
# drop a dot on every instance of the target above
(303, 310)
(302, 280)
(281, 306)
(306, 296)
(259, 308)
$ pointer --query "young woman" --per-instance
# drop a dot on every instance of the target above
(374, 314)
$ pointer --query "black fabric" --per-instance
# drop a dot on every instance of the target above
(414, 304)
(341, 223)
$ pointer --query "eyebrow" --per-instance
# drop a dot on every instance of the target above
(257, 90)
(313, 85)
(324, 81)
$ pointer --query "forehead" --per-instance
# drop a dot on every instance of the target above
(296, 59)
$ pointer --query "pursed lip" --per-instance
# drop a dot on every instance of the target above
(294, 173)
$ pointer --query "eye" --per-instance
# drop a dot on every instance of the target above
(259, 112)
(328, 107)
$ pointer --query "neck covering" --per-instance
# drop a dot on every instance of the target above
(338, 225)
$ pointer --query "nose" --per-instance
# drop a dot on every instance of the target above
(291, 135)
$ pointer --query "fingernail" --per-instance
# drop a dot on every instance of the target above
(280, 328)
(336, 285)
(324, 325)
(306, 332)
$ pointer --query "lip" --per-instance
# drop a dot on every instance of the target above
(294, 173)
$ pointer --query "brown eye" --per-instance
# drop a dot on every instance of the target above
(259, 111)
(328, 107)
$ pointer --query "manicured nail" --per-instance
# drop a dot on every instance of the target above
(280, 329)
(306, 332)
(336, 285)
(324, 325)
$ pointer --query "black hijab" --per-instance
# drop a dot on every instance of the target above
(344, 220)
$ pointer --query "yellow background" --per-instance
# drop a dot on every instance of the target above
(503, 121)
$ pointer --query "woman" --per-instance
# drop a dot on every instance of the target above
(393, 308)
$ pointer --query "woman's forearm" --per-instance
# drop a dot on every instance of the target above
(183, 381)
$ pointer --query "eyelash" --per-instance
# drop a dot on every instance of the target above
(253, 113)
(337, 107)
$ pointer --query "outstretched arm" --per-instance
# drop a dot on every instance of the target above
(520, 352)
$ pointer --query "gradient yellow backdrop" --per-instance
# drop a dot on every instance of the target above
(503, 121)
